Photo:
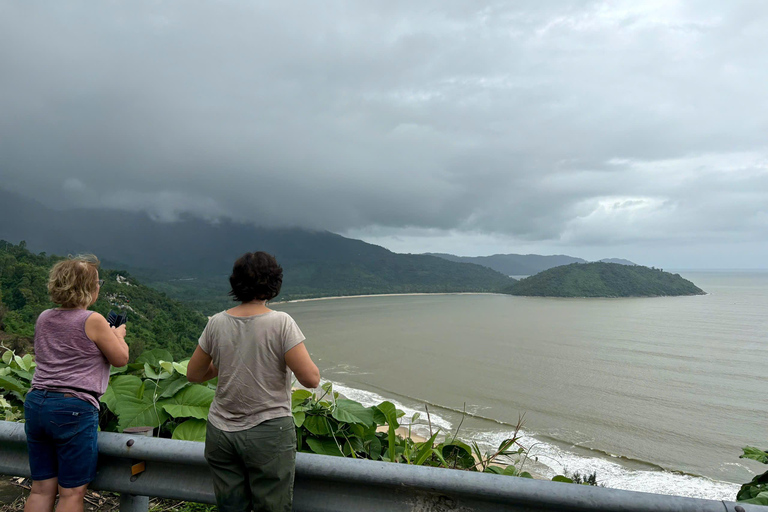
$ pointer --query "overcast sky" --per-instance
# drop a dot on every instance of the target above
(631, 129)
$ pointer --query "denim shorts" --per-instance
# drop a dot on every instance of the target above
(61, 437)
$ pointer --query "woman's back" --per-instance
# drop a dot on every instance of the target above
(66, 358)
(249, 352)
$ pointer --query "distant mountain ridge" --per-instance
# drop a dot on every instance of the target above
(522, 264)
(600, 279)
(316, 263)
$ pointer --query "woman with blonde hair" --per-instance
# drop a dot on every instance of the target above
(74, 348)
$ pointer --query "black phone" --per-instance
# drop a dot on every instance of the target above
(116, 319)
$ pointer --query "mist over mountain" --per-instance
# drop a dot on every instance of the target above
(514, 264)
(522, 264)
(193, 257)
(620, 261)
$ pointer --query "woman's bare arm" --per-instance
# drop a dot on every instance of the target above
(200, 367)
(301, 364)
(110, 340)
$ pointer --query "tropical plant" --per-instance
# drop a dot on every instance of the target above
(153, 391)
(756, 490)
(15, 379)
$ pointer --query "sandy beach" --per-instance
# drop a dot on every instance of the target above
(380, 295)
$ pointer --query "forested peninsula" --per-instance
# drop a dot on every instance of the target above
(603, 280)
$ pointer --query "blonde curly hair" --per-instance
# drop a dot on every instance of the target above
(73, 282)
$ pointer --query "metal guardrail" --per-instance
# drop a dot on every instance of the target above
(177, 470)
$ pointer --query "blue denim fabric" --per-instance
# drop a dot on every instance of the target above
(61, 437)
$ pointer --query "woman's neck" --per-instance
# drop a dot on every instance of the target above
(257, 307)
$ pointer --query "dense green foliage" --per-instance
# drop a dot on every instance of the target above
(603, 280)
(23, 288)
(154, 320)
(154, 392)
(755, 491)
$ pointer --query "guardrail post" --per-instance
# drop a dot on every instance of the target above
(131, 502)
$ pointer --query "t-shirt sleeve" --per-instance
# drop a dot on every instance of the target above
(292, 335)
(205, 341)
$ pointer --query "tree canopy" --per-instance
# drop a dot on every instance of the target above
(603, 280)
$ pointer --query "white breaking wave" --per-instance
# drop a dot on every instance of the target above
(552, 460)
(612, 474)
(369, 398)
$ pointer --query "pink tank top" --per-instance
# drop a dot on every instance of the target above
(67, 360)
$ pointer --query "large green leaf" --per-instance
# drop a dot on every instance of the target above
(172, 385)
(752, 489)
(193, 401)
(750, 452)
(25, 376)
(27, 362)
(298, 418)
(318, 425)
(139, 412)
(458, 453)
(190, 430)
(328, 388)
(12, 384)
(153, 357)
(386, 413)
(349, 411)
(114, 370)
(181, 367)
(760, 499)
(155, 375)
(7, 356)
(120, 387)
(324, 446)
(298, 397)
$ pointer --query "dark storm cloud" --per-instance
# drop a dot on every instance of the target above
(568, 123)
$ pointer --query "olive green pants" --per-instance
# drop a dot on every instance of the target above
(253, 469)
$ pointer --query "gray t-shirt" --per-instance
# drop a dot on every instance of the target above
(254, 381)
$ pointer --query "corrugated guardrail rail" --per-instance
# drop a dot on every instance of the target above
(177, 470)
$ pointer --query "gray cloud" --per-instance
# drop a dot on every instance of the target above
(565, 126)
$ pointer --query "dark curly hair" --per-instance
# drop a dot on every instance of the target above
(255, 276)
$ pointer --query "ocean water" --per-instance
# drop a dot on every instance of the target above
(654, 394)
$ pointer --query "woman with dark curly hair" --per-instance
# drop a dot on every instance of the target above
(73, 350)
(250, 441)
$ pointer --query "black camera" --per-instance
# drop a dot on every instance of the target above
(116, 319)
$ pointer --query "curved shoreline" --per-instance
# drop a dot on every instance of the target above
(383, 295)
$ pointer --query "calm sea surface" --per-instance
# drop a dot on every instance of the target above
(655, 394)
